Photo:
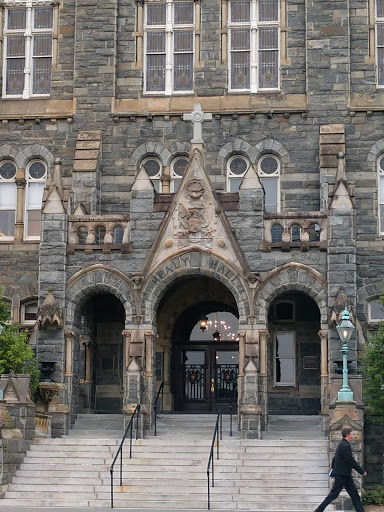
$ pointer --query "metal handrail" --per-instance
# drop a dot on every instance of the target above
(216, 437)
(161, 390)
(136, 413)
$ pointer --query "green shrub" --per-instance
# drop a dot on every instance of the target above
(373, 495)
(15, 353)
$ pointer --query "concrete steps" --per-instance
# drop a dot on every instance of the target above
(169, 471)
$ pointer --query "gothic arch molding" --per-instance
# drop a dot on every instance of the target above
(274, 147)
(99, 278)
(7, 152)
(289, 277)
(179, 149)
(150, 149)
(198, 263)
(31, 152)
(376, 150)
(238, 147)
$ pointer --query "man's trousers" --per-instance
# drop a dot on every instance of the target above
(339, 483)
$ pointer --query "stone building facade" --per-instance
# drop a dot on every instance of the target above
(192, 159)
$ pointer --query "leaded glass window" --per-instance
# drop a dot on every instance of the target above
(153, 168)
(269, 174)
(381, 193)
(254, 32)
(8, 197)
(178, 168)
(36, 176)
(28, 33)
(169, 47)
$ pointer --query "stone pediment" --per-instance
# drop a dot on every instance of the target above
(195, 219)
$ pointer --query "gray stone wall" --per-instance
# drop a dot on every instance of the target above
(12, 453)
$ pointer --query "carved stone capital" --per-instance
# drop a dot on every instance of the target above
(126, 333)
(323, 333)
(69, 336)
(20, 182)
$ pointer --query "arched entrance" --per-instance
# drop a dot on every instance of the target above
(102, 353)
(199, 366)
(294, 355)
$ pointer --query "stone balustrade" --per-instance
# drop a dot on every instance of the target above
(300, 230)
(99, 232)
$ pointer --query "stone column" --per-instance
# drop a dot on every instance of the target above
(20, 184)
(324, 375)
(263, 377)
(241, 353)
(166, 180)
(127, 337)
(69, 337)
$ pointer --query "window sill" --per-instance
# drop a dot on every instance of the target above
(104, 248)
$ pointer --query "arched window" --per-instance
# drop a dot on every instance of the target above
(118, 234)
(8, 196)
(236, 169)
(100, 234)
(36, 176)
(276, 233)
(153, 168)
(314, 233)
(295, 233)
(178, 168)
(82, 235)
(381, 193)
(269, 174)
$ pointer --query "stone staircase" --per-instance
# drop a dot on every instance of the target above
(169, 471)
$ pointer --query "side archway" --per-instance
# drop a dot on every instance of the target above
(193, 263)
(99, 279)
(292, 276)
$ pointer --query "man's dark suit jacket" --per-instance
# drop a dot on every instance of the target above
(343, 461)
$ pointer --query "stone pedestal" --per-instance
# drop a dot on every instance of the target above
(250, 421)
(52, 400)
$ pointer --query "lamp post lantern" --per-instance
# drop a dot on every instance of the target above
(345, 329)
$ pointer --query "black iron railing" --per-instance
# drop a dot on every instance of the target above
(129, 429)
(161, 391)
(217, 436)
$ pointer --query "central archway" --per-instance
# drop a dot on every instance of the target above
(199, 370)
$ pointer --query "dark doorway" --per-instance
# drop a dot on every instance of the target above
(206, 366)
(103, 322)
(206, 377)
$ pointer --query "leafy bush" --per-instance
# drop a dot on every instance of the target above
(373, 495)
(15, 353)
(372, 362)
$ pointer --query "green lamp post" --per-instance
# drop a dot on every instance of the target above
(345, 329)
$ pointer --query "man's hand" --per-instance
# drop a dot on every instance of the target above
(365, 473)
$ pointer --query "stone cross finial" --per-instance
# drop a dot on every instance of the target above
(197, 117)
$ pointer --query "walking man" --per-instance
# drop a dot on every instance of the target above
(342, 465)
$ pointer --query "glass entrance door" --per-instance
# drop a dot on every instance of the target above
(207, 377)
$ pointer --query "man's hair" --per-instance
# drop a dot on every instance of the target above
(346, 431)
